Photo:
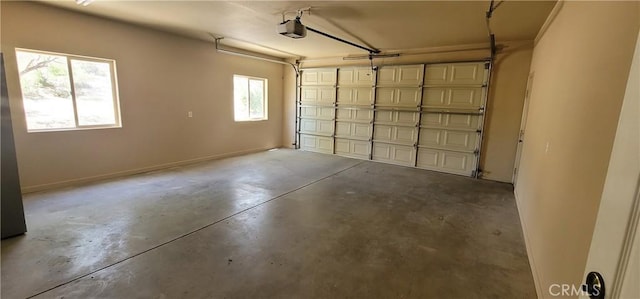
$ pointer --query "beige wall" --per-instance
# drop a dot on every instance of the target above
(508, 86)
(619, 195)
(507, 92)
(581, 66)
(160, 76)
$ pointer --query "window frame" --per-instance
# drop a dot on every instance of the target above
(78, 126)
(265, 98)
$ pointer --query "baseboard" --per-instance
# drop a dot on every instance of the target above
(532, 264)
(86, 180)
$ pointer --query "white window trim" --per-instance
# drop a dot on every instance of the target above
(78, 127)
(265, 99)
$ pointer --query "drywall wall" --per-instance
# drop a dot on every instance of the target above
(581, 65)
(506, 98)
(160, 77)
(619, 195)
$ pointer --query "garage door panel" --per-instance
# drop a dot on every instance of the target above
(448, 139)
(353, 130)
(408, 97)
(436, 74)
(398, 97)
(318, 95)
(434, 97)
(405, 135)
(465, 98)
(395, 134)
(460, 140)
(467, 73)
(406, 75)
(361, 96)
(316, 126)
(451, 121)
(429, 137)
(397, 118)
(472, 73)
(355, 76)
(319, 76)
(395, 154)
(433, 119)
(461, 162)
(410, 74)
(387, 75)
(445, 161)
(461, 121)
(318, 144)
(413, 115)
(428, 158)
(317, 112)
(357, 115)
(353, 148)
(452, 98)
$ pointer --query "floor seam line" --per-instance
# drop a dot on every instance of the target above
(195, 231)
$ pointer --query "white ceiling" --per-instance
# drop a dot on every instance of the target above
(386, 25)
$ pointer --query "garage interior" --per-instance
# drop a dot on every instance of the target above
(420, 149)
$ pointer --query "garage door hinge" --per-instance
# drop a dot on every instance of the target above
(478, 131)
(486, 65)
(476, 152)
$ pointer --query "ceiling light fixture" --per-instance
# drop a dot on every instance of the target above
(84, 2)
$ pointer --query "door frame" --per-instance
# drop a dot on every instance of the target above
(523, 125)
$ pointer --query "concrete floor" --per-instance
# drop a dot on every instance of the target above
(278, 224)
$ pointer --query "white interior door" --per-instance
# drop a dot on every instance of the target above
(523, 125)
(615, 246)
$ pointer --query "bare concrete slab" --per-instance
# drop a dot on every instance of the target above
(280, 224)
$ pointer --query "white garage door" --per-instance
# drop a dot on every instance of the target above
(316, 110)
(426, 116)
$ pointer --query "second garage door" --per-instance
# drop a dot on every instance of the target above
(426, 116)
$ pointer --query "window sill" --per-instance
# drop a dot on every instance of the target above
(250, 120)
(74, 129)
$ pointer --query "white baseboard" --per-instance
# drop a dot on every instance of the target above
(85, 180)
(536, 279)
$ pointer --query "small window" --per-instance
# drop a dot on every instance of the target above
(249, 98)
(66, 92)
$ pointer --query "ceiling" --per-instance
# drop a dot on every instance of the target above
(385, 25)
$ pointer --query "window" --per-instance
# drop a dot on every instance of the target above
(249, 98)
(63, 92)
